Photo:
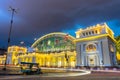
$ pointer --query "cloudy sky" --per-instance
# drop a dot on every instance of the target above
(35, 18)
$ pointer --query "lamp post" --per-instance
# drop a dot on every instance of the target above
(9, 34)
(22, 42)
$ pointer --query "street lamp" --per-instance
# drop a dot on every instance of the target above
(9, 35)
(35, 39)
(22, 43)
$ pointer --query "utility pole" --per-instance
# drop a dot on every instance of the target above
(9, 34)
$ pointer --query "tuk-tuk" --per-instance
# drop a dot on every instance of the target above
(30, 68)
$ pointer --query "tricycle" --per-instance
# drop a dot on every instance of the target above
(30, 68)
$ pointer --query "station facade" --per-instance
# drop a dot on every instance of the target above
(93, 46)
(52, 50)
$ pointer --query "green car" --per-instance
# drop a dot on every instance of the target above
(30, 68)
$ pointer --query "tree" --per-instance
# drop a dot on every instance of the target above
(118, 48)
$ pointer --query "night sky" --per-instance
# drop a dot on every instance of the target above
(36, 18)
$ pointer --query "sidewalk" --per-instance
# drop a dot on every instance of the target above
(10, 70)
(3, 73)
(107, 70)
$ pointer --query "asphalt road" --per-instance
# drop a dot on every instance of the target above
(49, 76)
(62, 75)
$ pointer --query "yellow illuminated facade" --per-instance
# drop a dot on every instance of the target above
(2, 59)
(93, 46)
(50, 51)
(118, 48)
(14, 52)
(47, 60)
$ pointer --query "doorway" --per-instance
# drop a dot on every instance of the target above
(92, 60)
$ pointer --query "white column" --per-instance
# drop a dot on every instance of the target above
(100, 52)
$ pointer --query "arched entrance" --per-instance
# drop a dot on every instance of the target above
(92, 58)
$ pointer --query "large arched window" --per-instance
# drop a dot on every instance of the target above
(112, 48)
(91, 47)
(54, 42)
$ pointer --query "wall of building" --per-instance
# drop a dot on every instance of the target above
(49, 60)
(52, 54)
(101, 36)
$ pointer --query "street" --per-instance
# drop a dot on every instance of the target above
(93, 76)
(61, 74)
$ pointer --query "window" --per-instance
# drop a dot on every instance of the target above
(91, 47)
(86, 33)
(89, 33)
(96, 31)
(83, 34)
(111, 48)
(92, 32)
